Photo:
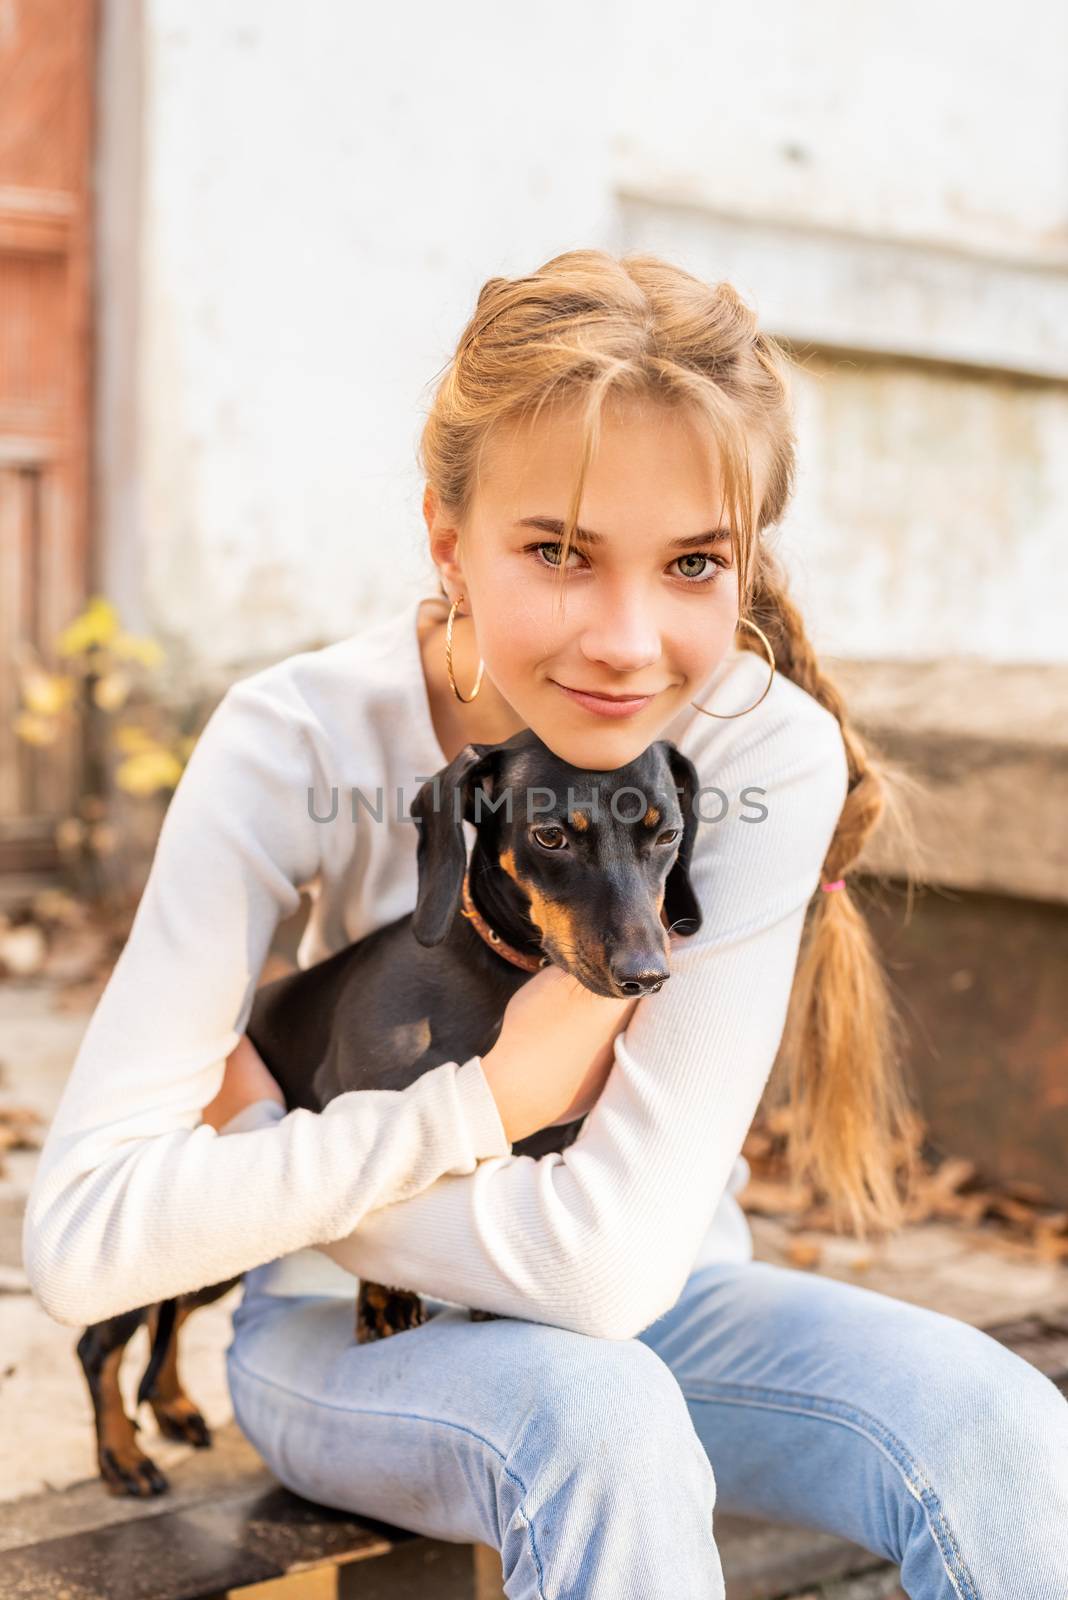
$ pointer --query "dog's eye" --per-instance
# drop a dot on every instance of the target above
(556, 842)
(669, 837)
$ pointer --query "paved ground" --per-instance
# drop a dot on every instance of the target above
(46, 1433)
(45, 1416)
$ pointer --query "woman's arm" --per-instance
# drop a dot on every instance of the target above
(246, 1080)
(135, 1198)
(549, 1082)
(601, 1237)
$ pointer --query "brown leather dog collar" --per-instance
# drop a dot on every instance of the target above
(494, 940)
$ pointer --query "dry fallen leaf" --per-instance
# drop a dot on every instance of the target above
(1015, 1216)
(803, 1253)
(774, 1197)
(19, 1124)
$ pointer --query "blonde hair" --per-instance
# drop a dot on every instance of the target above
(588, 326)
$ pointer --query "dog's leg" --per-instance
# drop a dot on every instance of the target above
(124, 1467)
(176, 1415)
(381, 1311)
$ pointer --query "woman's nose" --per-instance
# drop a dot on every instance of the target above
(623, 634)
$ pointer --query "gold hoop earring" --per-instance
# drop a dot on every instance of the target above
(771, 657)
(465, 699)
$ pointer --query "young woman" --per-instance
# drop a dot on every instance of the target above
(605, 458)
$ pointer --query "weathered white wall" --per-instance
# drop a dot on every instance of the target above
(922, 119)
(888, 181)
(320, 198)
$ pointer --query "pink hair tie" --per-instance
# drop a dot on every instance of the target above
(839, 883)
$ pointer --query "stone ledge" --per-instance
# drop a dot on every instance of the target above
(989, 743)
(882, 295)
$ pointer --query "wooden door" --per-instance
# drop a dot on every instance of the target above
(47, 51)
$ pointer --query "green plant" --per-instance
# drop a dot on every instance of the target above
(130, 746)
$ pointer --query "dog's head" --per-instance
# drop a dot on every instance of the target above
(591, 866)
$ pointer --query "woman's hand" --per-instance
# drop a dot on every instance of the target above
(245, 1080)
(554, 1052)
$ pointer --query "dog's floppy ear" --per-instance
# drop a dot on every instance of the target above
(439, 809)
(682, 911)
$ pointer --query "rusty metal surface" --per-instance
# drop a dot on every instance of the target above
(980, 983)
(226, 1522)
(47, 194)
(231, 1464)
(188, 1554)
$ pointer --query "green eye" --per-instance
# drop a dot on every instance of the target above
(555, 546)
(708, 572)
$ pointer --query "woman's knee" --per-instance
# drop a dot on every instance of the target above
(976, 1400)
(607, 1408)
(987, 1466)
(1006, 1416)
(980, 1439)
(939, 1391)
(604, 1479)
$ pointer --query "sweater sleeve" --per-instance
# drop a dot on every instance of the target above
(600, 1237)
(135, 1198)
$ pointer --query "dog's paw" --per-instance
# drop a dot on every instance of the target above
(128, 1471)
(381, 1312)
(180, 1419)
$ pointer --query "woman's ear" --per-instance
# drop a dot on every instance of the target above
(681, 909)
(439, 810)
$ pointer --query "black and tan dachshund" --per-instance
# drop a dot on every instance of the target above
(585, 869)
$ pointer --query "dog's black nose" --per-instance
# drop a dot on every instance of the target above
(647, 981)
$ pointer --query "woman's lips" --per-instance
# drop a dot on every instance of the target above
(602, 705)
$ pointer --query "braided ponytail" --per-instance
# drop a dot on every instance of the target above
(840, 1063)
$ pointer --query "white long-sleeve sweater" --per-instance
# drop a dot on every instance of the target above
(136, 1199)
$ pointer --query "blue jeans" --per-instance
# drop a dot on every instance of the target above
(593, 1465)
